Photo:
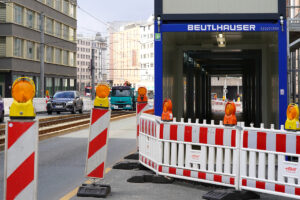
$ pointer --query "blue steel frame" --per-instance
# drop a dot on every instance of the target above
(259, 27)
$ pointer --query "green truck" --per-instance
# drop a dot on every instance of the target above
(122, 98)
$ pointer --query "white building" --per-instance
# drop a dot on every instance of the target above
(147, 54)
(84, 56)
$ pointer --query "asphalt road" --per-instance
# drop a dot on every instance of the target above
(62, 159)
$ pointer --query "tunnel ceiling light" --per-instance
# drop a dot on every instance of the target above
(221, 40)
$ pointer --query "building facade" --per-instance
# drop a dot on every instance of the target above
(147, 54)
(20, 36)
(84, 56)
(125, 54)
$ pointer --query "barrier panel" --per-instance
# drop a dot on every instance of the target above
(97, 146)
(255, 159)
(192, 151)
(270, 161)
(148, 140)
(20, 168)
(219, 106)
(140, 108)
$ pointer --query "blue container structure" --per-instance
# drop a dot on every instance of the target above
(188, 32)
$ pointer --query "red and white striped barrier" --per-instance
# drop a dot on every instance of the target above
(192, 150)
(97, 146)
(20, 168)
(255, 159)
(264, 149)
(148, 141)
(140, 108)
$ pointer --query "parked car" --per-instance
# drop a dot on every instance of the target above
(66, 101)
(1, 110)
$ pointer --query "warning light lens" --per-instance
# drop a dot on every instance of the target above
(230, 108)
(292, 112)
(23, 90)
(142, 91)
(102, 91)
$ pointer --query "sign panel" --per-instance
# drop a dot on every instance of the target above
(221, 27)
(220, 6)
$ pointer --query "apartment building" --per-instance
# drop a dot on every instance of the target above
(125, 54)
(84, 56)
(20, 33)
(147, 54)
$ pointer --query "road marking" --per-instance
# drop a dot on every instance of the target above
(74, 192)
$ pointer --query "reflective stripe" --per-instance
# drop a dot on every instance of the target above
(195, 134)
(211, 136)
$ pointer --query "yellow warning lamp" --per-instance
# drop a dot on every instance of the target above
(102, 93)
(292, 121)
(230, 117)
(224, 98)
(239, 99)
(142, 95)
(23, 91)
(167, 114)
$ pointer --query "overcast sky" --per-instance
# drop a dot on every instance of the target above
(110, 10)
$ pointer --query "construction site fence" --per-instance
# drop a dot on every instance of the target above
(245, 158)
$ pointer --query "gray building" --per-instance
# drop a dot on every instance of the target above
(20, 25)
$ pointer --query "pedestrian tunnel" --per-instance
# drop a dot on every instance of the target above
(194, 60)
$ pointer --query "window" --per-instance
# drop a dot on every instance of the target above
(37, 52)
(72, 59)
(49, 26)
(65, 32)
(49, 3)
(58, 29)
(2, 12)
(72, 35)
(18, 47)
(58, 5)
(39, 20)
(64, 84)
(65, 57)
(49, 86)
(30, 19)
(57, 84)
(72, 10)
(66, 7)
(30, 50)
(2, 46)
(72, 84)
(49, 57)
(18, 14)
(58, 56)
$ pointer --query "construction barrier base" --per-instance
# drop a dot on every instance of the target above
(94, 190)
(134, 156)
(151, 179)
(230, 194)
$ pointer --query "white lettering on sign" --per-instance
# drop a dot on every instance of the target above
(221, 27)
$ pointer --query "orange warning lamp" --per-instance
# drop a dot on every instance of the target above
(142, 95)
(167, 114)
(230, 117)
(102, 93)
(23, 91)
(292, 113)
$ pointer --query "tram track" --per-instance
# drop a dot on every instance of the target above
(59, 125)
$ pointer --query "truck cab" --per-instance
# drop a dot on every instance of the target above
(122, 98)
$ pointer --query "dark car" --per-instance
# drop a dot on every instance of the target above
(66, 101)
(1, 110)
